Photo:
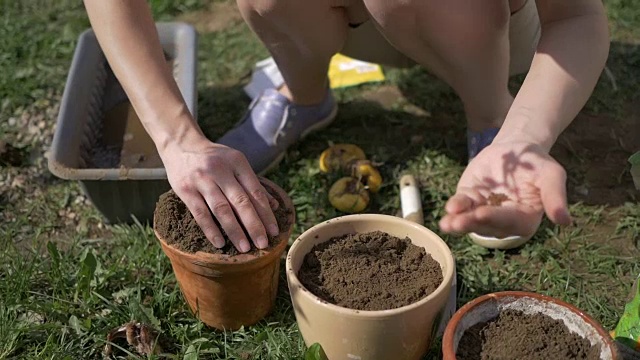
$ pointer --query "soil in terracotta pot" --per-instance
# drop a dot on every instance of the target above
(515, 335)
(174, 222)
(370, 271)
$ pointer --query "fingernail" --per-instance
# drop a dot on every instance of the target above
(218, 242)
(274, 204)
(273, 230)
(262, 242)
(568, 219)
(564, 217)
(244, 246)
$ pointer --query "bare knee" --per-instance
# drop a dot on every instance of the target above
(454, 22)
(260, 8)
(293, 29)
(391, 15)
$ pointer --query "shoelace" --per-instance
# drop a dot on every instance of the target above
(284, 123)
(245, 116)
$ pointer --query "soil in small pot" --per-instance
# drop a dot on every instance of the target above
(370, 271)
(176, 225)
(515, 335)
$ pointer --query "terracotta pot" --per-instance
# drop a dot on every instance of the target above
(401, 333)
(488, 306)
(228, 292)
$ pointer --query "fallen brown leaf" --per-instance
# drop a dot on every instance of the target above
(142, 337)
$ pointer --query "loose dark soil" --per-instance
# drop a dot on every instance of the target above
(175, 223)
(515, 335)
(124, 142)
(105, 156)
(591, 149)
(11, 155)
(370, 271)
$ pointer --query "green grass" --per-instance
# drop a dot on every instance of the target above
(63, 303)
(64, 286)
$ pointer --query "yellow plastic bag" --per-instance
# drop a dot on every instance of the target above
(345, 71)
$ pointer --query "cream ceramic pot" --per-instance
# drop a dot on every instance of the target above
(401, 333)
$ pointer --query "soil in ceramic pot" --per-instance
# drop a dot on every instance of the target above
(370, 271)
(176, 225)
(515, 335)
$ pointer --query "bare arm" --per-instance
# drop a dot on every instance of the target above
(570, 57)
(209, 178)
(571, 54)
(128, 37)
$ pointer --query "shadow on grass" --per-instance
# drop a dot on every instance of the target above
(219, 108)
(595, 148)
(389, 136)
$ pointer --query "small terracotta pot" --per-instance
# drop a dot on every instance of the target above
(228, 292)
(487, 307)
(401, 333)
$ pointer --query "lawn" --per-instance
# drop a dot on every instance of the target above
(67, 279)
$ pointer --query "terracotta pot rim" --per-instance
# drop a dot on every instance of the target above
(224, 259)
(448, 336)
(444, 286)
(205, 258)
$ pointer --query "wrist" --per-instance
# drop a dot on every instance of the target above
(526, 130)
(184, 138)
(174, 131)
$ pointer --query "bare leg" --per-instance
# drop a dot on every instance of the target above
(302, 36)
(465, 43)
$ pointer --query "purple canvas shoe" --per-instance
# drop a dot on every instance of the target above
(272, 124)
(477, 141)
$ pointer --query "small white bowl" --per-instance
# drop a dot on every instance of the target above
(490, 242)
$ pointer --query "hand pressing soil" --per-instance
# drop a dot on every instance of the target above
(175, 224)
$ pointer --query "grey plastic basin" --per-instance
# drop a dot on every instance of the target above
(119, 193)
